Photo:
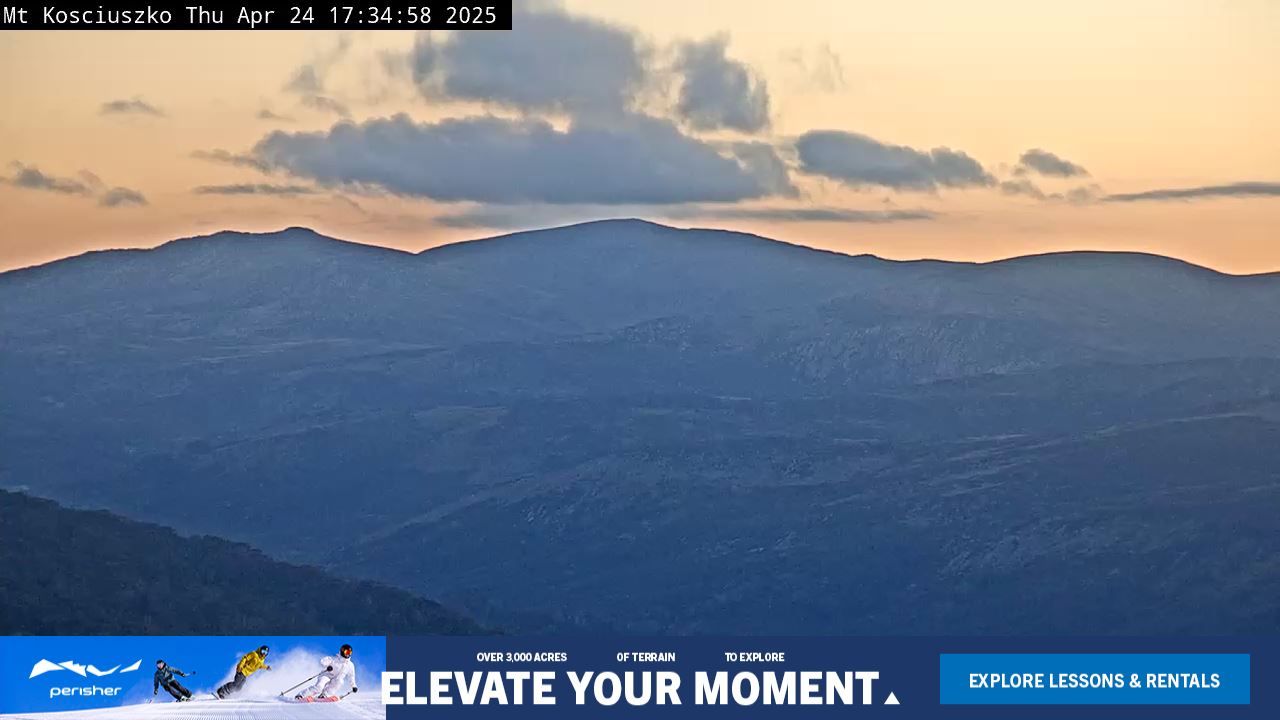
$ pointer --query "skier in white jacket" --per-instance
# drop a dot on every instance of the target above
(339, 674)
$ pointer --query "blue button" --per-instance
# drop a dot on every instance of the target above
(1094, 679)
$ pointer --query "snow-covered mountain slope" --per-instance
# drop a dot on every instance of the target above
(352, 708)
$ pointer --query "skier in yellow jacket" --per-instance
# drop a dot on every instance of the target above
(248, 665)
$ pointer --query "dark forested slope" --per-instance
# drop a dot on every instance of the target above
(72, 572)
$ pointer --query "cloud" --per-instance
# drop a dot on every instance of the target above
(305, 81)
(227, 157)
(556, 62)
(309, 82)
(631, 159)
(1022, 186)
(762, 161)
(136, 106)
(122, 197)
(1046, 163)
(254, 189)
(32, 178)
(323, 103)
(91, 179)
(587, 68)
(309, 78)
(1083, 194)
(528, 216)
(267, 114)
(858, 160)
(1239, 189)
(718, 92)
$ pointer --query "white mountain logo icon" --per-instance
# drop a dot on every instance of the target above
(45, 666)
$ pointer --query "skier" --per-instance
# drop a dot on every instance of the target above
(248, 665)
(164, 679)
(339, 672)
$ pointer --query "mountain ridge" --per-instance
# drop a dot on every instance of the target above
(311, 234)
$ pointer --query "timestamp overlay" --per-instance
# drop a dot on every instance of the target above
(255, 15)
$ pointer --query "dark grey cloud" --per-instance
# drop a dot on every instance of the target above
(88, 185)
(858, 160)
(1046, 163)
(763, 162)
(226, 157)
(323, 103)
(309, 78)
(305, 81)
(32, 178)
(631, 159)
(267, 114)
(122, 197)
(254, 189)
(1022, 186)
(556, 62)
(718, 92)
(1240, 189)
(136, 106)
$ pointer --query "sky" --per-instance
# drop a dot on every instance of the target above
(964, 131)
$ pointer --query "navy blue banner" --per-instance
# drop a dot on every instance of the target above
(743, 678)
(718, 678)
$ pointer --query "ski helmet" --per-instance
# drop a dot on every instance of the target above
(264, 650)
(159, 664)
(345, 651)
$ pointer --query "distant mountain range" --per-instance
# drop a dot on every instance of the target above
(623, 425)
(68, 572)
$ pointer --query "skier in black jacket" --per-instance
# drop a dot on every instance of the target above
(164, 679)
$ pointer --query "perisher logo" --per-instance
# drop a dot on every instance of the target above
(85, 671)
(46, 666)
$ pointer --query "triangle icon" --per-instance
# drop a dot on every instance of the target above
(893, 700)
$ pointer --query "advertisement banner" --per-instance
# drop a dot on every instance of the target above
(553, 678)
(829, 677)
(101, 678)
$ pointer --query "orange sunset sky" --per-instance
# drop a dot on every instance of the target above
(959, 130)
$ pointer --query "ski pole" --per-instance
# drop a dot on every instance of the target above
(304, 682)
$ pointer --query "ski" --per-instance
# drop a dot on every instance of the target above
(323, 698)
